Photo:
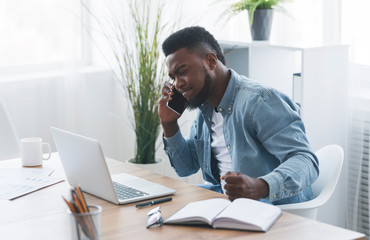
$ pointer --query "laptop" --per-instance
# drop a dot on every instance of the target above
(84, 165)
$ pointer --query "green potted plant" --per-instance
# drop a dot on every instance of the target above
(260, 15)
(138, 65)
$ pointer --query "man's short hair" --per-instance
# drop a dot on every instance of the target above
(192, 38)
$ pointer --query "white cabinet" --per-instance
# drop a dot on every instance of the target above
(316, 77)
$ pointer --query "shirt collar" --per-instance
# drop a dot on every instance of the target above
(227, 101)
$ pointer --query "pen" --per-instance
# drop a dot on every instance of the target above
(150, 203)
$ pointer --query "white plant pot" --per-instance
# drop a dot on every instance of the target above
(157, 167)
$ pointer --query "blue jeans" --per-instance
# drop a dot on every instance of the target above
(216, 188)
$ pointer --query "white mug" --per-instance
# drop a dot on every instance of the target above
(32, 151)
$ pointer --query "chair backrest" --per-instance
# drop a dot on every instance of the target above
(9, 143)
(330, 165)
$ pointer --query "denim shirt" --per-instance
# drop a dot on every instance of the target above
(265, 137)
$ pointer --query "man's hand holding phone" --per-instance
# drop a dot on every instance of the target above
(169, 112)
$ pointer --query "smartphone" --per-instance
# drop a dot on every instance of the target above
(177, 103)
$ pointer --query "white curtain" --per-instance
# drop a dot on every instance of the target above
(39, 42)
(65, 93)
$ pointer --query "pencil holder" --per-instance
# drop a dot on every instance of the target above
(86, 225)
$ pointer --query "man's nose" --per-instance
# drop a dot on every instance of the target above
(179, 83)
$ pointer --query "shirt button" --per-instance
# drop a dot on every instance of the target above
(220, 109)
(229, 109)
(228, 147)
(274, 195)
(291, 194)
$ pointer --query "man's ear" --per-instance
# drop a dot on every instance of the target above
(211, 60)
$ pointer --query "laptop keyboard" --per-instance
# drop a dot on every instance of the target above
(124, 192)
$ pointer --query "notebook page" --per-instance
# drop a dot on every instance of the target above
(206, 209)
(251, 212)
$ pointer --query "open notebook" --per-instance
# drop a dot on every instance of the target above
(242, 214)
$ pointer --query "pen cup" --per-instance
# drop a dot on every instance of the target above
(86, 225)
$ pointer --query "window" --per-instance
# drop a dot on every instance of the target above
(39, 32)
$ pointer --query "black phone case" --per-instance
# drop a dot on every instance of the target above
(178, 102)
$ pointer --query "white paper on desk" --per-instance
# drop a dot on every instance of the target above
(15, 182)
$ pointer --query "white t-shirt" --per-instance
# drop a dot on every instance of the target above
(218, 145)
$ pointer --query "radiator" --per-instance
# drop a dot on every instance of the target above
(358, 217)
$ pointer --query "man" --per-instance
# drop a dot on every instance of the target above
(248, 139)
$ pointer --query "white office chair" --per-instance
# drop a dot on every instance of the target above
(330, 164)
(9, 143)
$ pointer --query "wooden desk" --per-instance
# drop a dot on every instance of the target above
(42, 214)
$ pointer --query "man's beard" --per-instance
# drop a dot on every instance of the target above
(202, 96)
